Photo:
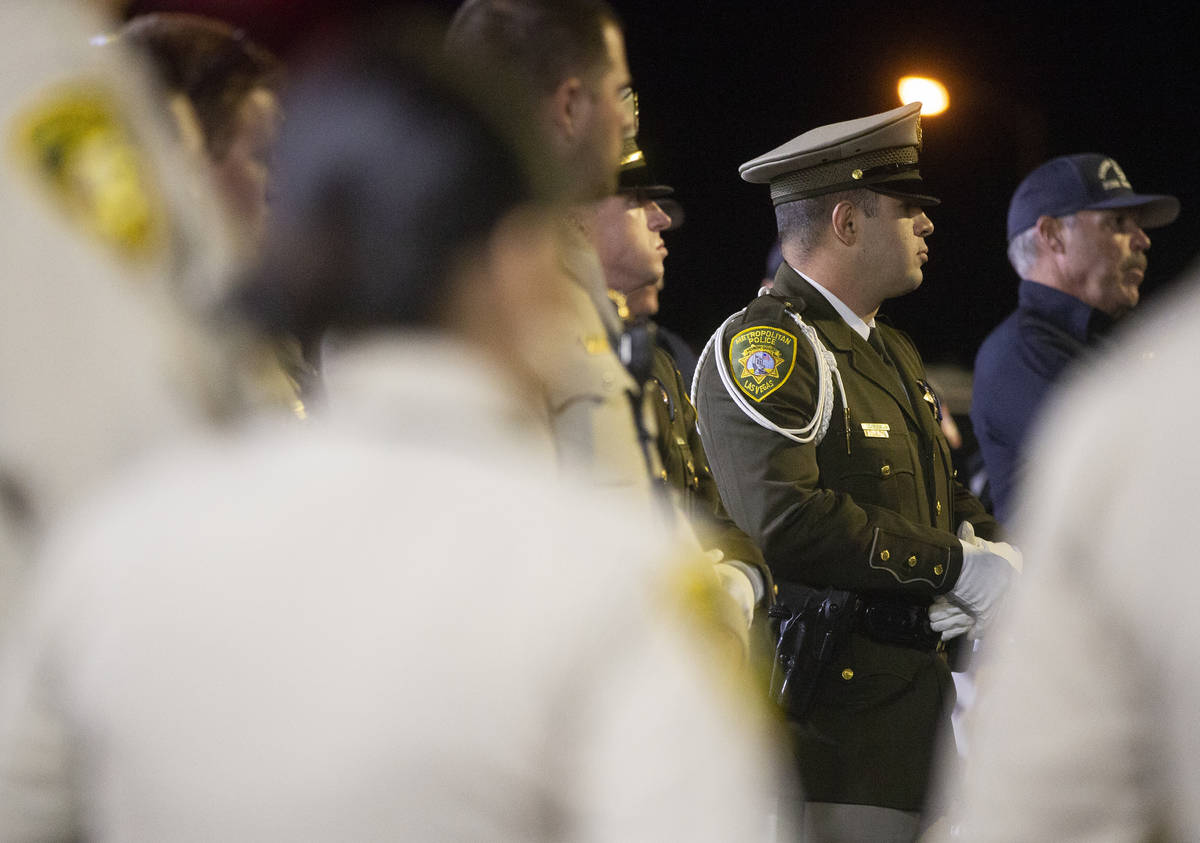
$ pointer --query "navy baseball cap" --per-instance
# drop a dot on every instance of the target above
(1084, 182)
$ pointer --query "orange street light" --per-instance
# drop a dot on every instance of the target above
(932, 94)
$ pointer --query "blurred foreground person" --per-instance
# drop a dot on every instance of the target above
(224, 94)
(1085, 723)
(114, 247)
(569, 58)
(223, 91)
(397, 621)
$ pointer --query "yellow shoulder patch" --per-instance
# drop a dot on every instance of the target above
(75, 143)
(761, 359)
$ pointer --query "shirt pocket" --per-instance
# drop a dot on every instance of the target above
(880, 472)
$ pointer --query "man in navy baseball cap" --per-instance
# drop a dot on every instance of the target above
(1077, 238)
(1085, 182)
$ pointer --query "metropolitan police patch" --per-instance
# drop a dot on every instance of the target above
(761, 358)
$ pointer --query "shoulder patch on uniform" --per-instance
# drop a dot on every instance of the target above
(75, 142)
(761, 358)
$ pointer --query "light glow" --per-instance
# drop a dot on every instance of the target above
(931, 93)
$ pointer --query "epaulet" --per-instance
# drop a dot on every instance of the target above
(772, 308)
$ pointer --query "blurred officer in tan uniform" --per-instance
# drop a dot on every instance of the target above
(571, 57)
(114, 248)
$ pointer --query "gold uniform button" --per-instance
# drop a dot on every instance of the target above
(939, 507)
(884, 555)
(937, 570)
(912, 561)
(662, 474)
(885, 471)
(847, 674)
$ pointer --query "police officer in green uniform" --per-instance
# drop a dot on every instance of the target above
(823, 436)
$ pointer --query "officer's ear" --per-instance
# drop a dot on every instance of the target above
(844, 220)
(568, 107)
(1049, 234)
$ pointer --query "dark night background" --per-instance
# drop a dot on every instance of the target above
(720, 83)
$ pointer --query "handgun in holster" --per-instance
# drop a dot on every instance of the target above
(812, 625)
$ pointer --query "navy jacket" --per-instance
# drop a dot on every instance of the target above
(1015, 369)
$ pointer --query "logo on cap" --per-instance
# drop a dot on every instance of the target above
(1111, 176)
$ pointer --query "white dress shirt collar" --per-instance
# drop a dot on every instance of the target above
(863, 329)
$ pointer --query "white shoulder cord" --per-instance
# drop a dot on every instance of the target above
(827, 372)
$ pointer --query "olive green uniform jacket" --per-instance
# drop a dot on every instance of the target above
(685, 470)
(872, 508)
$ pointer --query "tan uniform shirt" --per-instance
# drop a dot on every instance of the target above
(589, 399)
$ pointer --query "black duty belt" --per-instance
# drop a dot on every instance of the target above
(894, 622)
(888, 621)
(811, 625)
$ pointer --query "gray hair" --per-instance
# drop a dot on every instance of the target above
(1023, 250)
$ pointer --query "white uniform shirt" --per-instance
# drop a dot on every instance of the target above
(394, 623)
(113, 244)
(1085, 726)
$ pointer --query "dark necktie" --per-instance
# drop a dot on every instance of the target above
(876, 342)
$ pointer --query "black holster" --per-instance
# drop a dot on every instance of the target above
(810, 627)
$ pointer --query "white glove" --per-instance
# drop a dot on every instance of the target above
(987, 571)
(738, 586)
(949, 619)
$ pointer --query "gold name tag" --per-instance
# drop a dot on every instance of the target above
(873, 430)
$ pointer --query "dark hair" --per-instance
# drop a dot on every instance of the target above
(210, 62)
(802, 223)
(390, 169)
(545, 41)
